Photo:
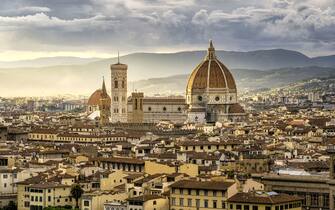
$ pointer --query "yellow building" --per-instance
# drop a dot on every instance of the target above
(191, 170)
(148, 202)
(39, 196)
(197, 195)
(96, 200)
(113, 179)
(258, 200)
(207, 146)
(157, 168)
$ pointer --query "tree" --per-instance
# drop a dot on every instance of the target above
(76, 193)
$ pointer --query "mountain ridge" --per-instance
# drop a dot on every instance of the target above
(251, 70)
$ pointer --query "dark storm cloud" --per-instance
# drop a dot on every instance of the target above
(134, 25)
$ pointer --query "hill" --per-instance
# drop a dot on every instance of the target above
(254, 69)
(246, 79)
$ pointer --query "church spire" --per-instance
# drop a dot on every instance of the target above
(210, 51)
(118, 57)
(104, 91)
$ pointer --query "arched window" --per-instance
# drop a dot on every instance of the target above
(123, 84)
(116, 84)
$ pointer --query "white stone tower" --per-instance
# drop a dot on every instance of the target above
(119, 92)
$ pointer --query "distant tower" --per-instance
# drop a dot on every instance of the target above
(104, 106)
(136, 112)
(119, 92)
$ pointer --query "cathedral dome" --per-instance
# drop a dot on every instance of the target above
(211, 74)
(95, 98)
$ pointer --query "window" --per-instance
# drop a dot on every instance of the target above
(214, 193)
(5, 176)
(173, 201)
(5, 185)
(154, 202)
(164, 108)
(256, 207)
(246, 207)
(199, 98)
(179, 109)
(86, 203)
(214, 204)
(205, 192)
(238, 207)
(224, 204)
(49, 198)
(116, 84)
(123, 84)
(267, 207)
(217, 98)
(314, 199)
(181, 201)
(197, 203)
(149, 108)
(189, 202)
(26, 204)
(41, 199)
(325, 200)
(206, 203)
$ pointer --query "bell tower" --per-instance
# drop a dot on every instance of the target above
(119, 92)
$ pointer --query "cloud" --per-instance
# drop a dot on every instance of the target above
(43, 21)
(155, 24)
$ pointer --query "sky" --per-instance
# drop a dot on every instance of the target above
(99, 28)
